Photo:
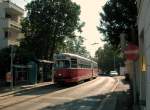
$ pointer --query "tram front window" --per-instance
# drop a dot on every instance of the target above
(62, 64)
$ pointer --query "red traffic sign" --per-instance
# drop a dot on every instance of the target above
(131, 52)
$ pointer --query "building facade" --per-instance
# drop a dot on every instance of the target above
(143, 21)
(10, 15)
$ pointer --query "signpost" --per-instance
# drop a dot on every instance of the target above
(132, 53)
(12, 54)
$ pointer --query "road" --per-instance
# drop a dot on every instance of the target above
(86, 96)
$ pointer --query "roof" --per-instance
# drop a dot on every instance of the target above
(77, 56)
(45, 61)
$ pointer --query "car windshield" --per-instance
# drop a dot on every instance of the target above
(62, 64)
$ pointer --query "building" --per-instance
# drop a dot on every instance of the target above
(143, 21)
(10, 15)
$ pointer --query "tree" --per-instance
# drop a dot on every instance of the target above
(47, 24)
(108, 58)
(118, 16)
(75, 46)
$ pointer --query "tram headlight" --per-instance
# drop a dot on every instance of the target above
(59, 74)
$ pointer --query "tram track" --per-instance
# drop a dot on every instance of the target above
(53, 92)
(25, 99)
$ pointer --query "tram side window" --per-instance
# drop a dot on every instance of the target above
(62, 64)
(88, 66)
(74, 63)
(94, 65)
(85, 65)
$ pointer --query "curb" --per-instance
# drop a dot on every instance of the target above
(26, 90)
(10, 93)
(23, 90)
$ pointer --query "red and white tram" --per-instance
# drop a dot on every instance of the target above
(71, 68)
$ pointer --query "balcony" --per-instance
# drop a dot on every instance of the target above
(10, 42)
(13, 36)
(12, 8)
(10, 24)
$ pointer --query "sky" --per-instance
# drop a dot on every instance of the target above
(90, 15)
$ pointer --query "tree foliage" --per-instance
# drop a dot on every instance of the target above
(118, 16)
(106, 58)
(47, 24)
(75, 46)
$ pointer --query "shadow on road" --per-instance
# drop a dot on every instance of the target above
(45, 89)
(48, 88)
(122, 98)
(123, 102)
(86, 103)
(125, 81)
(42, 90)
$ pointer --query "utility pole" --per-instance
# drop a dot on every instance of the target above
(11, 68)
(12, 54)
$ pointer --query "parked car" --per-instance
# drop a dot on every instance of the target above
(113, 73)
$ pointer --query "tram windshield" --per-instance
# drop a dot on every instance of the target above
(62, 64)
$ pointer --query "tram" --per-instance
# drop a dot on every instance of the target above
(72, 68)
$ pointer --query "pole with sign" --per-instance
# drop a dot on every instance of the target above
(131, 52)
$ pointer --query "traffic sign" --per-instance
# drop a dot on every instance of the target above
(131, 52)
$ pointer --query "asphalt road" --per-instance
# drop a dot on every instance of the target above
(86, 96)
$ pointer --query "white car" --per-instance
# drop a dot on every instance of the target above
(113, 73)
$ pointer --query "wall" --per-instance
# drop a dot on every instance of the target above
(3, 40)
(144, 31)
(6, 25)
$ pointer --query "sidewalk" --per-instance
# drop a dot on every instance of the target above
(124, 99)
(5, 91)
(120, 98)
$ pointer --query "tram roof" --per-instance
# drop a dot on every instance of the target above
(77, 56)
(45, 61)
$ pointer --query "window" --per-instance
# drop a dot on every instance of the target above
(95, 65)
(85, 65)
(74, 63)
(6, 34)
(7, 16)
(62, 64)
